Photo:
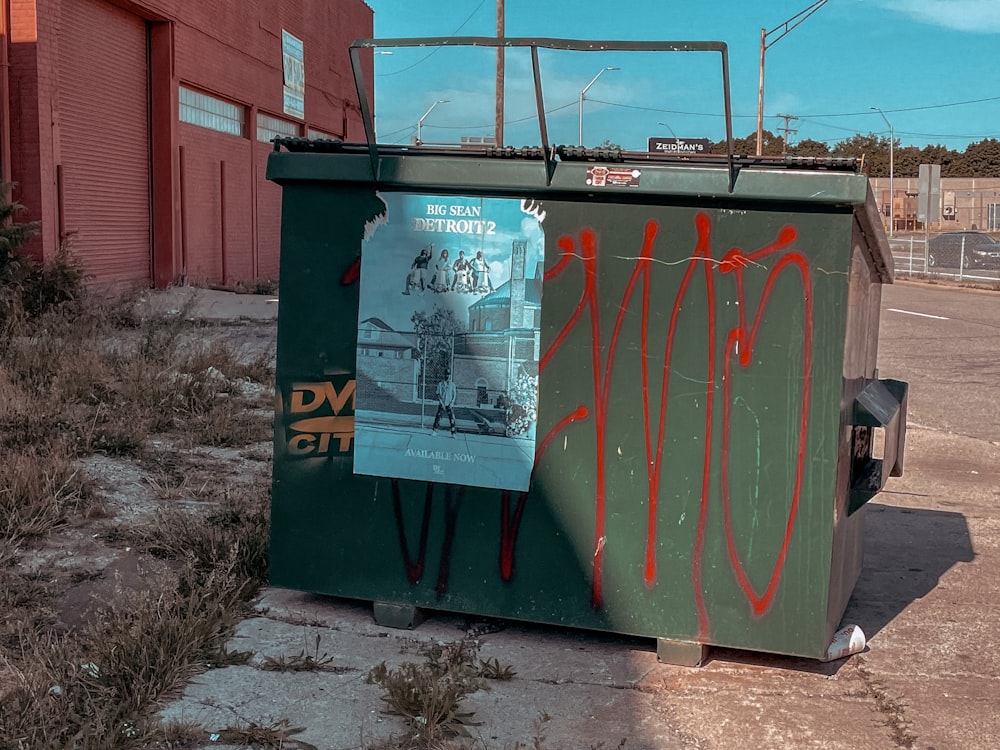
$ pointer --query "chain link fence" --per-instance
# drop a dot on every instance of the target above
(961, 255)
(398, 374)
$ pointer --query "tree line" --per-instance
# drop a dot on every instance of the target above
(979, 159)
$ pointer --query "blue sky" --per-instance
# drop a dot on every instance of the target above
(932, 66)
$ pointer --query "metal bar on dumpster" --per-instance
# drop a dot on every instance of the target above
(366, 115)
(575, 45)
(542, 127)
(729, 118)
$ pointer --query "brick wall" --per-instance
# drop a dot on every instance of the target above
(230, 48)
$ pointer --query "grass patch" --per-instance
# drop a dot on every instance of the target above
(39, 490)
(429, 695)
(304, 661)
(251, 734)
(91, 689)
(78, 378)
(492, 669)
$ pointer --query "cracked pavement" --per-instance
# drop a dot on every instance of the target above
(927, 600)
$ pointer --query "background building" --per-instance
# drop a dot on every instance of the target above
(138, 131)
(966, 203)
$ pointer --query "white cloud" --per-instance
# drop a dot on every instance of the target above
(982, 16)
(784, 101)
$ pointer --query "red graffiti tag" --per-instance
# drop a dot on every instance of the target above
(414, 569)
(453, 496)
(737, 353)
(352, 273)
(738, 343)
(509, 526)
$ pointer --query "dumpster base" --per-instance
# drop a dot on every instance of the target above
(681, 653)
(401, 616)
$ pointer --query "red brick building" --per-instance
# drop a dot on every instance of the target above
(137, 130)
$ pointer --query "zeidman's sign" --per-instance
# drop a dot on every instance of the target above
(689, 146)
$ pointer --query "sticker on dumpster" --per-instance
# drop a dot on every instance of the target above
(320, 418)
(448, 341)
(602, 176)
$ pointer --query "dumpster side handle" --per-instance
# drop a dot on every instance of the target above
(881, 403)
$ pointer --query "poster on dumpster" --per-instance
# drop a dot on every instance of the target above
(448, 341)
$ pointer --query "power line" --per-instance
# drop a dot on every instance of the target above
(665, 111)
(828, 125)
(436, 49)
(803, 117)
(957, 136)
(412, 128)
(408, 128)
(916, 109)
(979, 136)
(507, 121)
(811, 117)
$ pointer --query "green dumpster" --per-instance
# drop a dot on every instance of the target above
(620, 391)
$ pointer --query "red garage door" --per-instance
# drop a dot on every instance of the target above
(103, 129)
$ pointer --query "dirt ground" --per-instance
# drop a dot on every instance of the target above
(926, 597)
(99, 553)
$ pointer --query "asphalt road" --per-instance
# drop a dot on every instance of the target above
(945, 342)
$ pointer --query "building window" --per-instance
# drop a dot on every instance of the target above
(270, 127)
(209, 112)
(993, 217)
(316, 135)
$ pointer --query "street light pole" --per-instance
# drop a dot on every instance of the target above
(583, 93)
(667, 126)
(420, 122)
(785, 27)
(760, 94)
(892, 193)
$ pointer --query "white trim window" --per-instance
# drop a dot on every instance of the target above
(206, 111)
(270, 127)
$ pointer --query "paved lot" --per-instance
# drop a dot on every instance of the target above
(927, 598)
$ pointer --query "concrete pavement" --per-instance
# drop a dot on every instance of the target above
(927, 599)
(210, 304)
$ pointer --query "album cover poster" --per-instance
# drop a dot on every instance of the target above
(448, 341)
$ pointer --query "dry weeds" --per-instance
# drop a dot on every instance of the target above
(134, 500)
(134, 507)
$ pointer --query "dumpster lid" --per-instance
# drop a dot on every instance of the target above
(697, 176)
(299, 144)
(533, 44)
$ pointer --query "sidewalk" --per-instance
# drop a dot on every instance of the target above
(927, 680)
(927, 600)
(210, 304)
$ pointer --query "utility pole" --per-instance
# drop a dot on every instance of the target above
(788, 131)
(498, 126)
(784, 27)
